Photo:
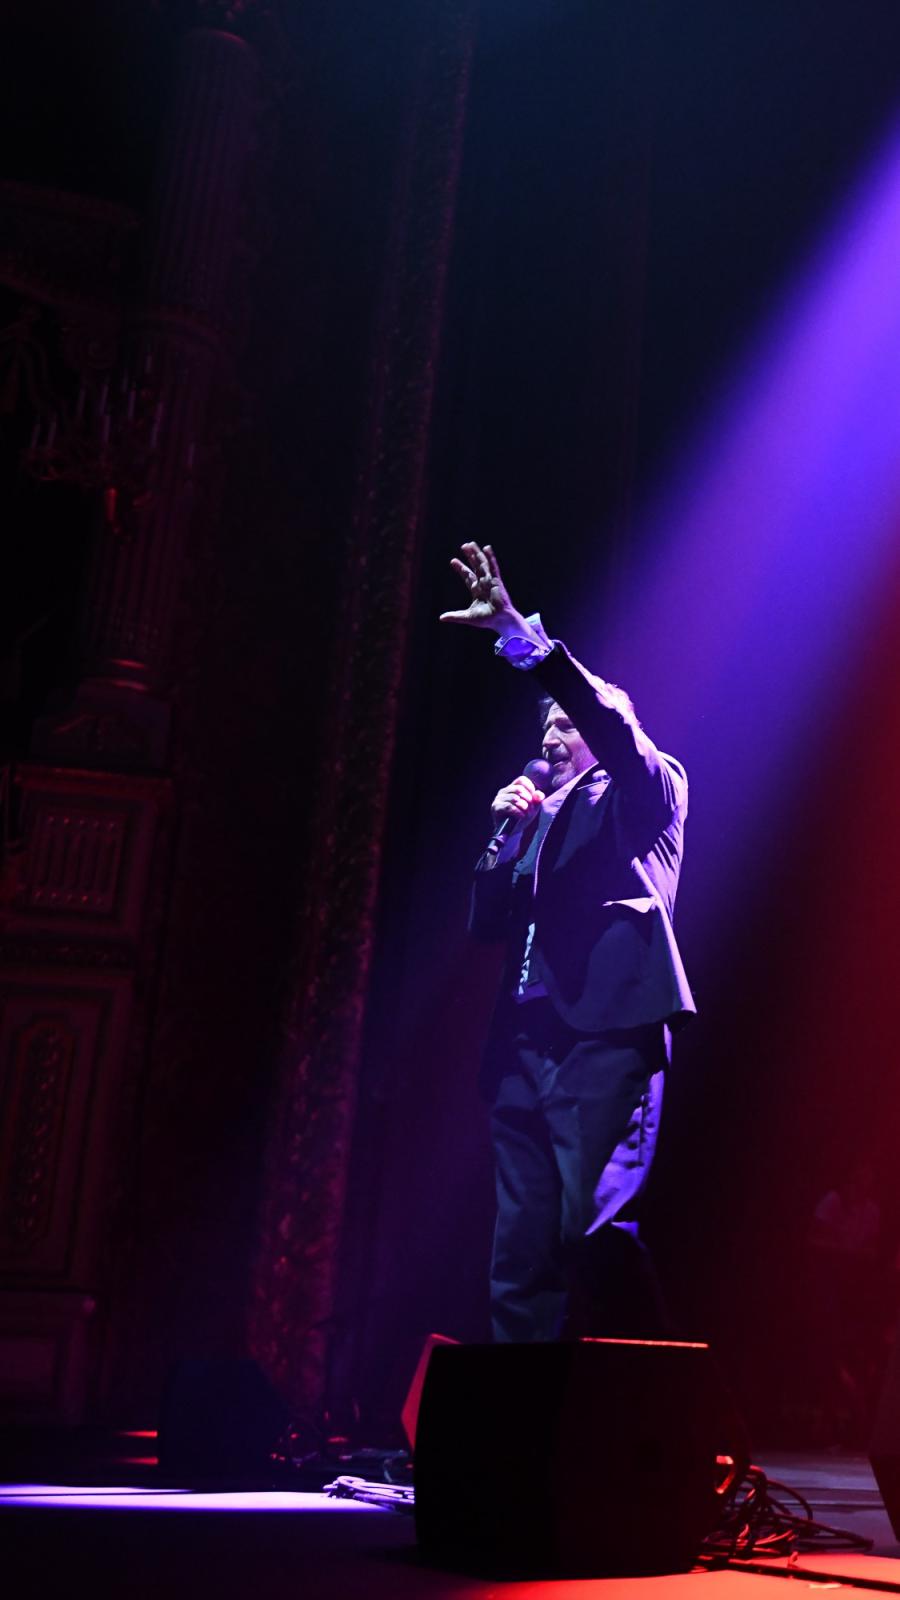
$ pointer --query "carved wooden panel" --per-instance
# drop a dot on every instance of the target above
(43, 1356)
(87, 848)
(77, 859)
(62, 1039)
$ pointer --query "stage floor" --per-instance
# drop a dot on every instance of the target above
(266, 1545)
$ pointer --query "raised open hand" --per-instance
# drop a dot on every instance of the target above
(489, 603)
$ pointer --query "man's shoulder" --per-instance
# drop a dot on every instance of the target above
(675, 766)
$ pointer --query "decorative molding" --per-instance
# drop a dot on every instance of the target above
(260, 21)
(84, 859)
(65, 250)
(52, 953)
(108, 725)
(182, 329)
(61, 1039)
(77, 857)
(42, 1058)
(43, 1356)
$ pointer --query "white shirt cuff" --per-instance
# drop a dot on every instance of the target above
(521, 652)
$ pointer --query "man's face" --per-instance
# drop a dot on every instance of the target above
(564, 748)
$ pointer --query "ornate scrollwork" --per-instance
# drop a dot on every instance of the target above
(42, 1069)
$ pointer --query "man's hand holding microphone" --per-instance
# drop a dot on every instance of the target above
(516, 805)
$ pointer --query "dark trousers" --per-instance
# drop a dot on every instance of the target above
(574, 1121)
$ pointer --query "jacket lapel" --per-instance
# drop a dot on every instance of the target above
(593, 780)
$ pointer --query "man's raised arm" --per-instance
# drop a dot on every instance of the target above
(612, 733)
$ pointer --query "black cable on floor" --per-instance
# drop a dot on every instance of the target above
(762, 1517)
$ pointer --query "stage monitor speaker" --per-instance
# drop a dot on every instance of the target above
(884, 1447)
(409, 1416)
(219, 1422)
(587, 1459)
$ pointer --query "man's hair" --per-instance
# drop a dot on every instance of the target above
(610, 694)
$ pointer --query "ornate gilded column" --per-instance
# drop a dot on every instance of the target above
(174, 351)
(297, 1269)
(86, 891)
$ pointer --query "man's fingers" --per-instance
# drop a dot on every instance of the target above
(515, 801)
(492, 562)
(465, 572)
(523, 791)
(518, 800)
(478, 558)
(479, 572)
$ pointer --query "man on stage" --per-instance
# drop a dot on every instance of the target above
(580, 882)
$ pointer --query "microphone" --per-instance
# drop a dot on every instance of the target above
(539, 772)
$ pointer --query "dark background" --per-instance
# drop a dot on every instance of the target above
(639, 184)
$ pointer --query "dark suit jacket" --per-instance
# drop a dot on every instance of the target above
(598, 877)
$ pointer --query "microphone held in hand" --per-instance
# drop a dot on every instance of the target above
(539, 772)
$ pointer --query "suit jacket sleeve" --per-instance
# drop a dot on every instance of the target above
(491, 904)
(653, 788)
